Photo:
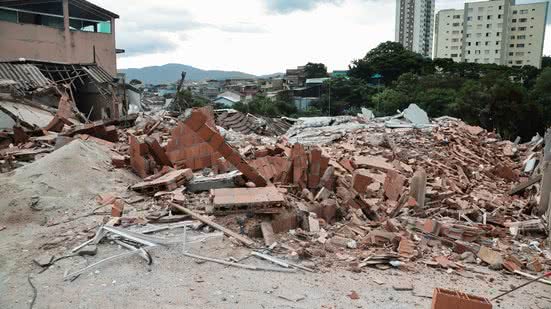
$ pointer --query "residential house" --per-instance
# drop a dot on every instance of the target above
(61, 31)
(228, 98)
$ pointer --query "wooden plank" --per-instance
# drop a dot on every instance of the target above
(520, 187)
(267, 232)
(245, 240)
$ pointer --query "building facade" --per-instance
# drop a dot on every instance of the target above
(414, 25)
(497, 31)
(64, 31)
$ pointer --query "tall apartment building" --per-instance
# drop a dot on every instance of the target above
(495, 31)
(414, 25)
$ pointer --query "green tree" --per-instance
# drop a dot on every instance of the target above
(541, 94)
(390, 59)
(545, 62)
(315, 70)
(389, 101)
(260, 105)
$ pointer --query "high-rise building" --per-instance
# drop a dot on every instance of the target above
(495, 31)
(414, 25)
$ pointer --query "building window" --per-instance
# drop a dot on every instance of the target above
(523, 12)
(489, 17)
(514, 20)
(456, 16)
(10, 16)
(513, 29)
(520, 45)
(512, 37)
(523, 20)
(518, 62)
(521, 37)
(511, 53)
(515, 12)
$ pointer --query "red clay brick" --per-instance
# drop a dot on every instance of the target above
(206, 133)
(225, 150)
(446, 299)
(196, 120)
(300, 165)
(394, 185)
(315, 168)
(118, 161)
(216, 141)
(361, 180)
(158, 152)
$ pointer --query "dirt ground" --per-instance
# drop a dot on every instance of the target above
(44, 208)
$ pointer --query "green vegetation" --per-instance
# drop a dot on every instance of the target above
(315, 70)
(513, 101)
(282, 106)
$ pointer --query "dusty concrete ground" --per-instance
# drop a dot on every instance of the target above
(177, 281)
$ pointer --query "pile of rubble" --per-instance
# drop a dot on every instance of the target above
(353, 192)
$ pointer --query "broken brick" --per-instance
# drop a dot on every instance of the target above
(118, 161)
(394, 185)
(117, 208)
(361, 180)
(158, 152)
(447, 299)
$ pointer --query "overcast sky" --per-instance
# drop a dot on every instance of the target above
(255, 36)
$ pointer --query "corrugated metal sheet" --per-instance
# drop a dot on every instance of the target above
(27, 76)
(98, 73)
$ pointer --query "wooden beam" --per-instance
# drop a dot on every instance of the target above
(520, 187)
(245, 240)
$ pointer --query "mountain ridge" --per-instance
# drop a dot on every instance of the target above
(171, 72)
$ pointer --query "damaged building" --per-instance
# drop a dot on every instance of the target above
(57, 66)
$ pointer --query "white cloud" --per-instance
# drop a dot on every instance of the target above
(246, 35)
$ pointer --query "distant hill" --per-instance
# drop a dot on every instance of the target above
(171, 72)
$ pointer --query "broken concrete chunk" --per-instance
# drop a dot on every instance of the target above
(416, 115)
(203, 183)
(44, 260)
(90, 250)
(313, 223)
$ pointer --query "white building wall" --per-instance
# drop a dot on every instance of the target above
(414, 25)
(526, 34)
(449, 35)
(495, 31)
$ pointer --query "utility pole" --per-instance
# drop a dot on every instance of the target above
(329, 98)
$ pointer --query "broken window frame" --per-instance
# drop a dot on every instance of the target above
(47, 20)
